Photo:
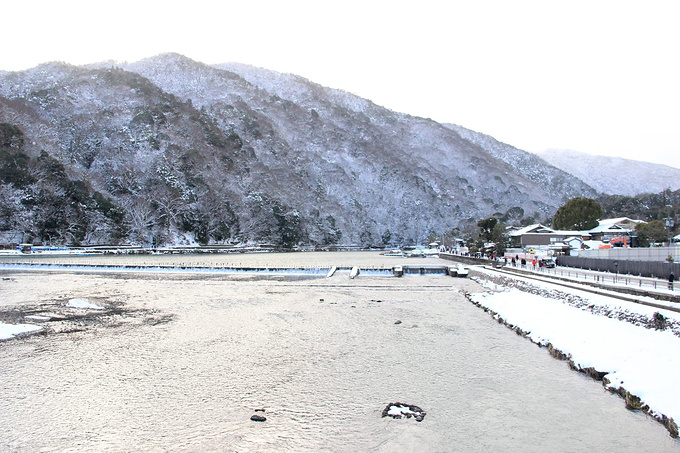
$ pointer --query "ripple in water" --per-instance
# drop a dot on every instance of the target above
(321, 356)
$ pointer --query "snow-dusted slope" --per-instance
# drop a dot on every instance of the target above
(232, 152)
(540, 172)
(614, 175)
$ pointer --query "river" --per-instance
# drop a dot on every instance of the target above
(185, 359)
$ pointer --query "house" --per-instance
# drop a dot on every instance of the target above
(539, 235)
(565, 247)
(574, 242)
(612, 228)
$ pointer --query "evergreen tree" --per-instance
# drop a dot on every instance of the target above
(654, 231)
(486, 227)
(578, 214)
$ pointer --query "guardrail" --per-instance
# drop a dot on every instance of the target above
(604, 278)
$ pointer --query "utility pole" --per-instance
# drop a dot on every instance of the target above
(670, 223)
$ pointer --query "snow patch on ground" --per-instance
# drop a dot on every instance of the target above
(37, 318)
(8, 331)
(599, 332)
(83, 304)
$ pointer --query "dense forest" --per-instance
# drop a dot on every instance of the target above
(169, 151)
(648, 206)
(46, 203)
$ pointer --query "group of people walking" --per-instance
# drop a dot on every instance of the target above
(523, 262)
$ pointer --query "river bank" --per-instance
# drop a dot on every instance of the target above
(630, 348)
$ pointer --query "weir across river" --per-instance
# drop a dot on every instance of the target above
(397, 271)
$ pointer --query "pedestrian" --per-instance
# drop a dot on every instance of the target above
(670, 281)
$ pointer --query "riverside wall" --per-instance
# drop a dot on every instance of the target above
(653, 269)
(651, 254)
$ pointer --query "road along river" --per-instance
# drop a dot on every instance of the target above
(181, 361)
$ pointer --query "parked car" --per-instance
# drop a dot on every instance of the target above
(548, 262)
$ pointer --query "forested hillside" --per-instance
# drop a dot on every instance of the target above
(171, 151)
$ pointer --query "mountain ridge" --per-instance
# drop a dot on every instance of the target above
(615, 175)
(217, 153)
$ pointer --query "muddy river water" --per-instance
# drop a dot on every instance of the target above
(181, 361)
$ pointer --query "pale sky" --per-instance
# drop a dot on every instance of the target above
(601, 77)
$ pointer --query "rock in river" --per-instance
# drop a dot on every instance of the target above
(399, 410)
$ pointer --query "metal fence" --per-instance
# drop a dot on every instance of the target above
(654, 269)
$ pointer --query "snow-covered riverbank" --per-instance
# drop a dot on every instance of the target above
(633, 348)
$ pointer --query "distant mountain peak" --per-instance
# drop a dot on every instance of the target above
(615, 175)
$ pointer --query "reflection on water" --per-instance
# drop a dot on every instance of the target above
(322, 356)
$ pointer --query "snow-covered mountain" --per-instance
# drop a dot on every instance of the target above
(165, 148)
(614, 175)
